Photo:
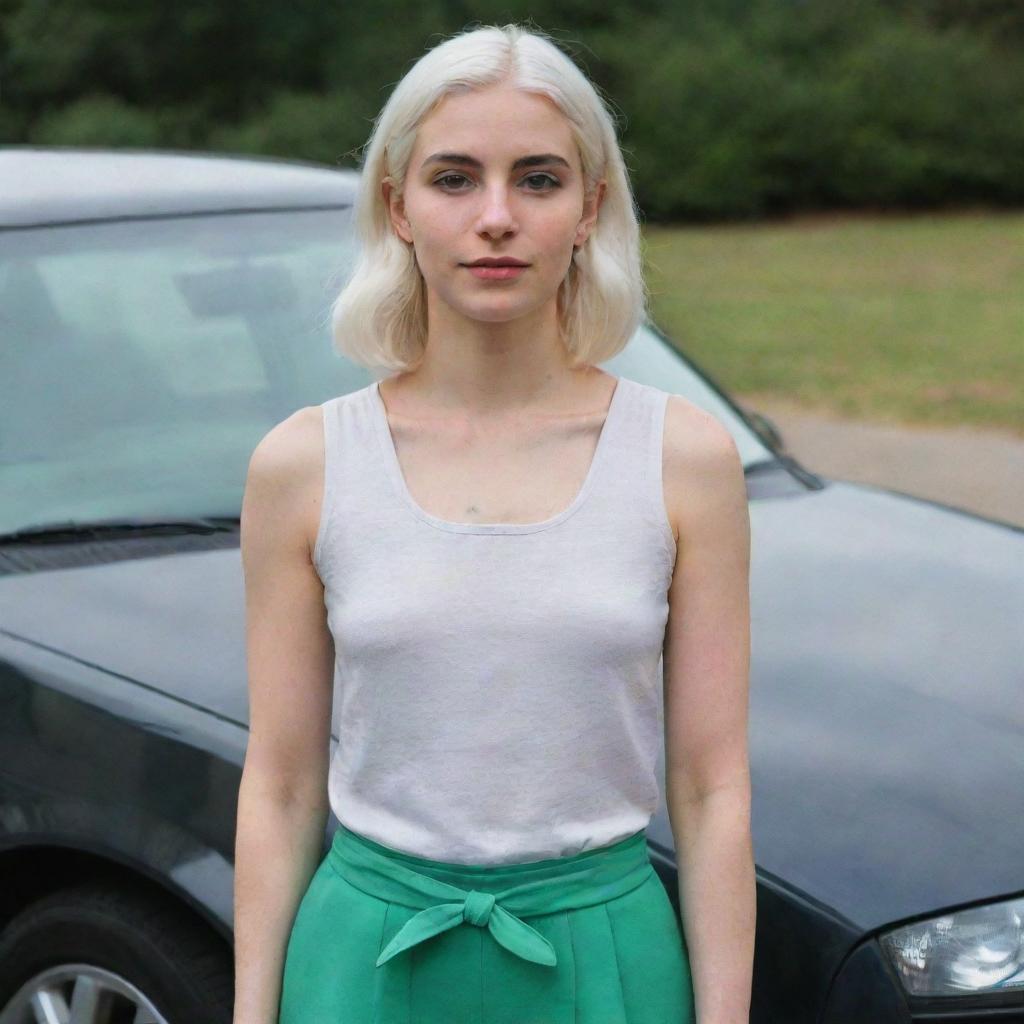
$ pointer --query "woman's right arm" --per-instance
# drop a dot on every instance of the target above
(282, 801)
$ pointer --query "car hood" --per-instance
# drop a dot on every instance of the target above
(174, 621)
(887, 701)
(887, 685)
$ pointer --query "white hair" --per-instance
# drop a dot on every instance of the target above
(379, 319)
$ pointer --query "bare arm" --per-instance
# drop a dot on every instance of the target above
(282, 803)
(706, 687)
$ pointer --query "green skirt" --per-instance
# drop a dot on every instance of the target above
(383, 937)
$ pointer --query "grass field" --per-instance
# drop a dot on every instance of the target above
(901, 318)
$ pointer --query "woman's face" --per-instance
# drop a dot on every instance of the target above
(494, 172)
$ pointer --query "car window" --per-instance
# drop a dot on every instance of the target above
(142, 360)
(651, 359)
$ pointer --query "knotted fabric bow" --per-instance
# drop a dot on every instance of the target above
(443, 906)
(481, 909)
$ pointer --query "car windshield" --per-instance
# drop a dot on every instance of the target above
(142, 360)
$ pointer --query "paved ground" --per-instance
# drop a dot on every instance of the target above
(981, 470)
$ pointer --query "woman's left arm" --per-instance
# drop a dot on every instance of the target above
(706, 691)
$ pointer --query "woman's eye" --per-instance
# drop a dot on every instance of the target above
(449, 177)
(553, 181)
(546, 179)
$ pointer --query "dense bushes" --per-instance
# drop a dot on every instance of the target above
(728, 107)
(748, 123)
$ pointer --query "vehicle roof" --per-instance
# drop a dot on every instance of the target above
(67, 184)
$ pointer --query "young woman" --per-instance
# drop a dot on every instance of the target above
(524, 573)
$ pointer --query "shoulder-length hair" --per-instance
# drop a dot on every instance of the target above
(379, 319)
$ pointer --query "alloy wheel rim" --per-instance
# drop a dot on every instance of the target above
(79, 994)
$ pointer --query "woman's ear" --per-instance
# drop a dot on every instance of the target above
(591, 205)
(395, 203)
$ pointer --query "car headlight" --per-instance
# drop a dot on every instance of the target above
(967, 952)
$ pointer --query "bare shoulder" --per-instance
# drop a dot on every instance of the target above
(701, 468)
(284, 482)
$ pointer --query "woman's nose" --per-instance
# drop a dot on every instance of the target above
(496, 217)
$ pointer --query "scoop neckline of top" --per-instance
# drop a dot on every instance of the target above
(382, 429)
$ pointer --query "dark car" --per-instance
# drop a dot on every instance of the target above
(159, 312)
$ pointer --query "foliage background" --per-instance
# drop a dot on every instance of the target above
(728, 109)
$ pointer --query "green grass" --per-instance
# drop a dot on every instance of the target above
(912, 319)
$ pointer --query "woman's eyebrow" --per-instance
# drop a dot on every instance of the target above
(470, 161)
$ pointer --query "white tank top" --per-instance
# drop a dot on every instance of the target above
(497, 686)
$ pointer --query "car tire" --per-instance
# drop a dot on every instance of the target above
(109, 948)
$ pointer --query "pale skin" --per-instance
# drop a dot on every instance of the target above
(495, 425)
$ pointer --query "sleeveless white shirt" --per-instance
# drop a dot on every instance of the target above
(498, 686)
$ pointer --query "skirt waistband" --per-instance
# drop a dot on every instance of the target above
(448, 895)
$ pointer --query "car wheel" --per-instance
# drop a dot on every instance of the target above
(97, 954)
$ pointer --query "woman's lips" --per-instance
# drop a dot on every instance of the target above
(496, 273)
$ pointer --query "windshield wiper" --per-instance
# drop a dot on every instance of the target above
(761, 466)
(64, 530)
(786, 462)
